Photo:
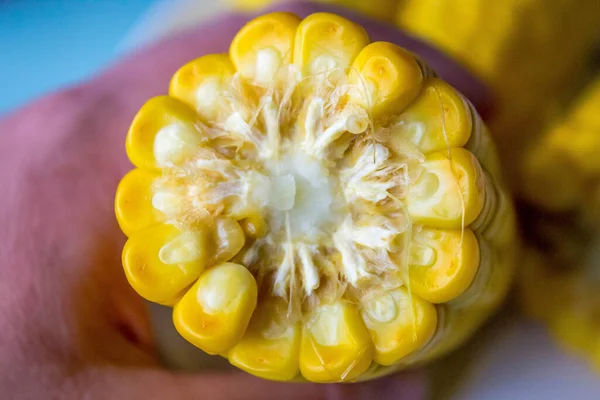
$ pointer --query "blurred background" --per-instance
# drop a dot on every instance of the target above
(45, 45)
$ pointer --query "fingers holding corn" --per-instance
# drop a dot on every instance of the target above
(333, 173)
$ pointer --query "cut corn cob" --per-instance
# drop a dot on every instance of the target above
(311, 204)
(512, 45)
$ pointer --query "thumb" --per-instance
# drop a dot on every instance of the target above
(159, 384)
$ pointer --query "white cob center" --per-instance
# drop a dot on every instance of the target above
(301, 192)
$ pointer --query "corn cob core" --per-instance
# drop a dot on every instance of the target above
(304, 201)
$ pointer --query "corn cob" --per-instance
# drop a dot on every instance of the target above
(315, 206)
(511, 44)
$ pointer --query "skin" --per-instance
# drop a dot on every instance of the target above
(70, 325)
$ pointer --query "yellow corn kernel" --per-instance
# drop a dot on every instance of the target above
(162, 260)
(335, 344)
(214, 314)
(161, 121)
(200, 84)
(399, 324)
(270, 347)
(228, 239)
(254, 226)
(449, 193)
(443, 263)
(388, 78)
(325, 42)
(439, 118)
(133, 202)
(264, 46)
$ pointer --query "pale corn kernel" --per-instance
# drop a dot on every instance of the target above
(202, 83)
(335, 344)
(155, 116)
(327, 42)
(264, 46)
(449, 193)
(438, 119)
(214, 314)
(228, 238)
(161, 261)
(399, 324)
(175, 143)
(387, 78)
(443, 263)
(184, 248)
(167, 203)
(270, 346)
(254, 226)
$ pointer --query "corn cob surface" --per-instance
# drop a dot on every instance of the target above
(315, 206)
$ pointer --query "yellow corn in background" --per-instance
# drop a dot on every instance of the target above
(559, 281)
(563, 175)
(562, 169)
(531, 52)
(315, 206)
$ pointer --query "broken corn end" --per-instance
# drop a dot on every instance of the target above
(310, 203)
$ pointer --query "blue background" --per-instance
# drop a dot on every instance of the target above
(47, 44)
